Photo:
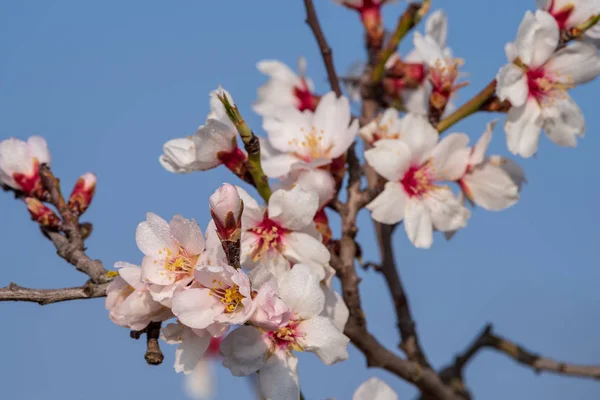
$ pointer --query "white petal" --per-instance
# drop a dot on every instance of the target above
(302, 248)
(390, 158)
(436, 27)
(523, 126)
(190, 351)
(244, 351)
(563, 122)
(491, 188)
(274, 162)
(287, 129)
(278, 378)
(480, 148)
(253, 213)
(300, 290)
(154, 235)
(374, 389)
(419, 135)
(417, 223)
(514, 171)
(210, 140)
(451, 156)
(388, 207)
(172, 333)
(575, 64)
(430, 51)
(512, 85)
(446, 211)
(322, 338)
(313, 180)
(132, 274)
(196, 308)
(218, 110)
(179, 156)
(511, 51)
(537, 38)
(293, 209)
(199, 384)
(38, 148)
(188, 234)
(278, 70)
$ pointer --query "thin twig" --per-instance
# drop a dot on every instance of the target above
(153, 355)
(14, 292)
(326, 52)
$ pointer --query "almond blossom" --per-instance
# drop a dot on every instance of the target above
(213, 144)
(570, 14)
(129, 302)
(20, 164)
(171, 253)
(414, 166)
(249, 349)
(387, 125)
(374, 389)
(536, 83)
(285, 89)
(282, 233)
(492, 183)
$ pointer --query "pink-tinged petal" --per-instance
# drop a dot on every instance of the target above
(391, 158)
(217, 110)
(374, 389)
(271, 312)
(451, 157)
(199, 384)
(319, 335)
(207, 275)
(537, 38)
(213, 254)
(512, 85)
(132, 274)
(154, 271)
(563, 122)
(436, 27)
(190, 351)
(274, 162)
(302, 248)
(418, 224)
(420, 137)
(188, 234)
(211, 139)
(293, 209)
(300, 290)
(388, 207)
(278, 378)
(179, 156)
(14, 157)
(446, 212)
(154, 235)
(244, 351)
(172, 333)
(335, 309)
(523, 126)
(491, 188)
(196, 308)
(253, 213)
(164, 294)
(480, 148)
(38, 148)
(575, 64)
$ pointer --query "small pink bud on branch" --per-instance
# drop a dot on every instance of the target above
(226, 208)
(82, 193)
(41, 214)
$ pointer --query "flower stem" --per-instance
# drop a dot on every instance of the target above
(470, 107)
(252, 146)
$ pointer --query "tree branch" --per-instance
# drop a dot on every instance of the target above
(154, 355)
(14, 292)
(326, 52)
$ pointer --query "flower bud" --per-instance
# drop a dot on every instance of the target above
(226, 209)
(42, 214)
(20, 165)
(82, 193)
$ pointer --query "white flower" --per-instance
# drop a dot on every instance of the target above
(488, 182)
(248, 349)
(129, 302)
(537, 87)
(374, 389)
(284, 89)
(571, 13)
(171, 253)
(386, 126)
(413, 166)
(283, 233)
(20, 164)
(213, 144)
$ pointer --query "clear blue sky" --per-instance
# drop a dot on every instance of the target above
(107, 83)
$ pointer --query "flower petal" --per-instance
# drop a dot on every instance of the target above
(302, 248)
(523, 126)
(436, 27)
(196, 308)
(563, 122)
(374, 389)
(154, 235)
(190, 351)
(451, 156)
(293, 209)
(199, 384)
(575, 64)
(390, 158)
(322, 338)
(445, 210)
(388, 207)
(491, 188)
(253, 213)
(419, 135)
(278, 378)
(418, 224)
(300, 290)
(274, 162)
(512, 85)
(244, 350)
(480, 148)
(537, 38)
(188, 234)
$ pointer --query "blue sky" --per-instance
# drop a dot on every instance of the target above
(107, 83)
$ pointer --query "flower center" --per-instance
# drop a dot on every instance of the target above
(543, 86)
(230, 296)
(181, 263)
(286, 337)
(418, 180)
(385, 132)
(269, 235)
(562, 15)
(311, 147)
(306, 100)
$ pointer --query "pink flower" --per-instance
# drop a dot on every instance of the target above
(271, 312)
(20, 164)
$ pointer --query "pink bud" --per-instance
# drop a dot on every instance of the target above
(271, 312)
(42, 214)
(82, 193)
(226, 208)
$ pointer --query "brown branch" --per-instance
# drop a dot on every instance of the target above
(14, 292)
(326, 52)
(153, 355)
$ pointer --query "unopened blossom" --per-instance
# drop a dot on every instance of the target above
(571, 14)
(285, 88)
(370, 14)
(282, 233)
(374, 389)
(42, 214)
(220, 296)
(536, 84)
(213, 144)
(83, 193)
(414, 166)
(129, 302)
(171, 253)
(226, 209)
(249, 349)
(493, 182)
(20, 164)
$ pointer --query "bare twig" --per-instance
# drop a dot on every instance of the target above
(313, 22)
(154, 355)
(14, 292)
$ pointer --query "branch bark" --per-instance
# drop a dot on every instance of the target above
(14, 292)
